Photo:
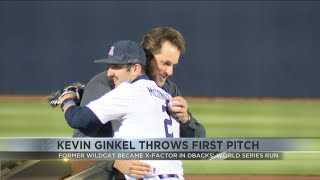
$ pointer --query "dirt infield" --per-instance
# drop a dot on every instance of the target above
(235, 177)
(22, 97)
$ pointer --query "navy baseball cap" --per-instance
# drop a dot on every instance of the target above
(125, 52)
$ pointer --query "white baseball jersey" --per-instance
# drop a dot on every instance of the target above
(141, 110)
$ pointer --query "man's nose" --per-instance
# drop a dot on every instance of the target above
(169, 71)
(110, 73)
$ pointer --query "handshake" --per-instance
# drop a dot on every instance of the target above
(56, 97)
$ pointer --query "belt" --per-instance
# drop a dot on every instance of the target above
(164, 176)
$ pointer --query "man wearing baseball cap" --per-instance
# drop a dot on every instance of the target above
(131, 103)
(124, 55)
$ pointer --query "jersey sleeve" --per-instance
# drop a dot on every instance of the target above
(95, 88)
(113, 105)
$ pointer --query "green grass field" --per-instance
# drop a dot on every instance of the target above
(221, 119)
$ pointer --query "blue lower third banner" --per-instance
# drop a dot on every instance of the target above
(153, 149)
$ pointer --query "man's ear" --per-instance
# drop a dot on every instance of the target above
(136, 69)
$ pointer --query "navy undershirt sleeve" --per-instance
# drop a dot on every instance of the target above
(82, 118)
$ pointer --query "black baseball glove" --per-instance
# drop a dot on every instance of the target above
(76, 88)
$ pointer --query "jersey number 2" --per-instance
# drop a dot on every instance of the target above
(167, 122)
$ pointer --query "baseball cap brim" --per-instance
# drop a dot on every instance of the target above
(117, 61)
(109, 61)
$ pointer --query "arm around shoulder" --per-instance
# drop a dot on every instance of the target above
(95, 88)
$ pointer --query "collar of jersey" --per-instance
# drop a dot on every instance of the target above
(140, 77)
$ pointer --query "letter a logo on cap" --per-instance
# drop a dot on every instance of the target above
(111, 51)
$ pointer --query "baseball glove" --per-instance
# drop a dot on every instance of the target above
(76, 88)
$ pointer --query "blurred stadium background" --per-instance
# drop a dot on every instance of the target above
(244, 51)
